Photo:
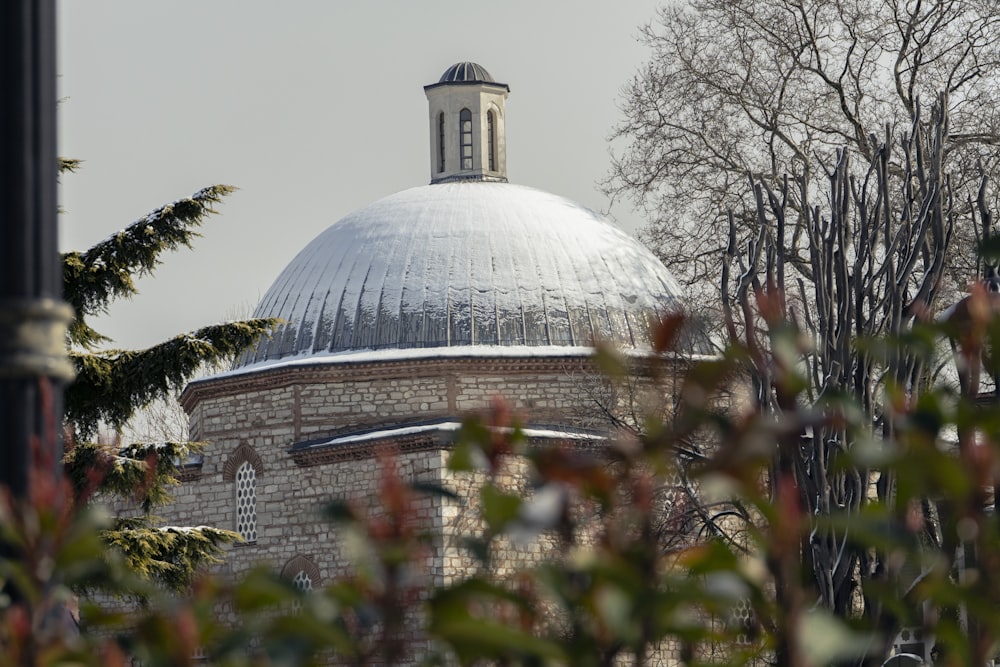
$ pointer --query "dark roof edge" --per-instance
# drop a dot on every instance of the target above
(443, 426)
(488, 84)
(319, 454)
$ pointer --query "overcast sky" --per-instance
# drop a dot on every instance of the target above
(313, 109)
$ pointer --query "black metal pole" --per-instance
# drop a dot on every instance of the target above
(33, 317)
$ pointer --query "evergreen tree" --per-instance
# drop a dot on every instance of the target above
(113, 384)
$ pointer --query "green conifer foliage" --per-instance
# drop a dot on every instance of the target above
(107, 271)
(111, 385)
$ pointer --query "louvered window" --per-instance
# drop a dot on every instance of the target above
(465, 119)
(440, 142)
(491, 136)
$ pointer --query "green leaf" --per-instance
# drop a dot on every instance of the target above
(827, 640)
(434, 489)
(498, 508)
(476, 639)
(262, 589)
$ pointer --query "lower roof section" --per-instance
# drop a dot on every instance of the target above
(419, 436)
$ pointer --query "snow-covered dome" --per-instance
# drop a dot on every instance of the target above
(465, 264)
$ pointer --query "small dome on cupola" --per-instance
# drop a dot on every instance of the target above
(466, 72)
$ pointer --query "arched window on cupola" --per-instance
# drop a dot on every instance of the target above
(491, 135)
(242, 469)
(441, 142)
(465, 125)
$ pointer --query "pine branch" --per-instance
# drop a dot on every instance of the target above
(111, 385)
(139, 472)
(69, 164)
(92, 279)
(171, 555)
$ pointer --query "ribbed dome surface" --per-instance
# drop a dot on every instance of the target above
(466, 72)
(461, 264)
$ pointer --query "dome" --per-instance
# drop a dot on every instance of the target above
(465, 264)
(466, 72)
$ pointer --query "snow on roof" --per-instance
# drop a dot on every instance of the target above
(428, 353)
(448, 427)
(465, 264)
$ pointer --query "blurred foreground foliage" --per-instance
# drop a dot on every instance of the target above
(613, 590)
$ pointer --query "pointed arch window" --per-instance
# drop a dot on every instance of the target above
(302, 572)
(491, 139)
(440, 142)
(242, 470)
(465, 125)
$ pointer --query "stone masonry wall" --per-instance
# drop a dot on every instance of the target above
(270, 419)
(287, 407)
(266, 414)
(289, 500)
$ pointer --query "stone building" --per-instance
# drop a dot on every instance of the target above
(400, 318)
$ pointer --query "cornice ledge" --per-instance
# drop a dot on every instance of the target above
(285, 376)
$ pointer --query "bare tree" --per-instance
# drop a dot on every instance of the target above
(773, 87)
(163, 419)
(877, 251)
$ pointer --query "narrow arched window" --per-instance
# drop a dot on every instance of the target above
(440, 142)
(491, 139)
(465, 121)
(246, 501)
(241, 470)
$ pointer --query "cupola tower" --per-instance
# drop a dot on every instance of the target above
(468, 139)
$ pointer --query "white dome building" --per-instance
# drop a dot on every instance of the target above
(466, 261)
(460, 264)
(399, 319)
